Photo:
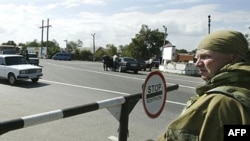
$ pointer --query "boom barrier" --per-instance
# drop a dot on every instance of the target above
(126, 104)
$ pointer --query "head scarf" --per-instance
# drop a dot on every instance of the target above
(226, 41)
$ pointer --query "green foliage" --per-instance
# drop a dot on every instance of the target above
(9, 43)
(181, 51)
(85, 55)
(53, 47)
(73, 45)
(146, 43)
(33, 43)
(77, 54)
(111, 49)
(99, 54)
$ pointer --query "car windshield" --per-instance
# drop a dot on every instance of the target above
(129, 59)
(15, 61)
(33, 55)
(140, 60)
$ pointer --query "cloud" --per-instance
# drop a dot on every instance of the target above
(185, 26)
(75, 3)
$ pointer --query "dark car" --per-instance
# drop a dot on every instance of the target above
(33, 59)
(156, 62)
(142, 63)
(127, 63)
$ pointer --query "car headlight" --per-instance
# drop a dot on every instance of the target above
(22, 72)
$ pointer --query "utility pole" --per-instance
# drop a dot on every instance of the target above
(209, 21)
(93, 46)
(41, 40)
(42, 35)
(47, 36)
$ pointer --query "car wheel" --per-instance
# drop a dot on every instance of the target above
(34, 80)
(12, 79)
(135, 71)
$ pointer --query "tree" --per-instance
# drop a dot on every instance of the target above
(53, 48)
(73, 45)
(111, 49)
(146, 43)
(33, 43)
(99, 53)
(10, 43)
(85, 55)
(181, 51)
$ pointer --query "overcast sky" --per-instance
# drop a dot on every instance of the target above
(117, 21)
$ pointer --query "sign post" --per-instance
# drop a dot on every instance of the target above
(154, 94)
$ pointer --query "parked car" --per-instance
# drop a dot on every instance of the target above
(142, 63)
(127, 63)
(15, 67)
(62, 56)
(154, 63)
(33, 59)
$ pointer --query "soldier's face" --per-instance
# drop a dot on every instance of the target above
(210, 62)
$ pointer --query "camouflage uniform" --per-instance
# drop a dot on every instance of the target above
(225, 99)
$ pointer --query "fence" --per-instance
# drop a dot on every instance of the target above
(126, 103)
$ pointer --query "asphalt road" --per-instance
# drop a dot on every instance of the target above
(71, 83)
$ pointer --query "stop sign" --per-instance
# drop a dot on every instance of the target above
(154, 94)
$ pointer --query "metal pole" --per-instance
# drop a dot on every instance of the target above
(47, 37)
(93, 46)
(164, 42)
(48, 26)
(209, 21)
(66, 41)
(42, 40)
(165, 35)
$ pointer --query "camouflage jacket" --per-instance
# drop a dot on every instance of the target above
(225, 99)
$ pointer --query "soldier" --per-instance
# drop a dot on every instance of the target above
(223, 62)
(26, 55)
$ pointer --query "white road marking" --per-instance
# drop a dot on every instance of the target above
(98, 89)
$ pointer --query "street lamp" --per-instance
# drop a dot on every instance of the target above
(66, 41)
(164, 41)
(93, 46)
(165, 35)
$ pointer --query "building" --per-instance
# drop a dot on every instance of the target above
(9, 49)
(185, 58)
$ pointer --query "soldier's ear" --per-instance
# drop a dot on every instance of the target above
(235, 58)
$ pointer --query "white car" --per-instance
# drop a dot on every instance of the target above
(15, 67)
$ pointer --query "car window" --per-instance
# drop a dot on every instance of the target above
(15, 60)
(33, 55)
(1, 61)
(140, 60)
(129, 59)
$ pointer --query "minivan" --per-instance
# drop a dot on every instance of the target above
(62, 56)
